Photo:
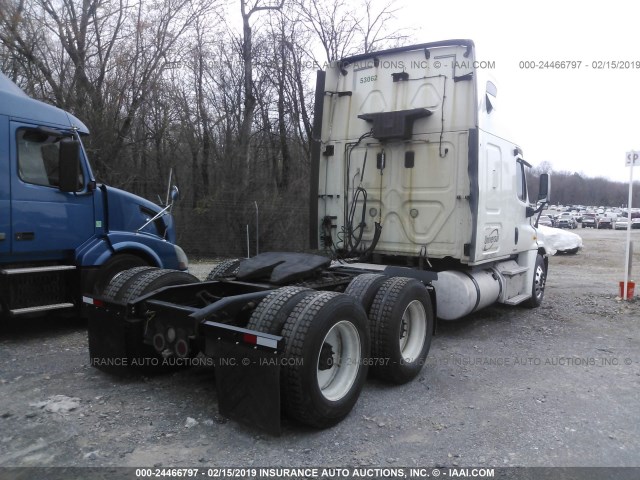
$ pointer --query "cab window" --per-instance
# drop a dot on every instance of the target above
(38, 157)
(521, 182)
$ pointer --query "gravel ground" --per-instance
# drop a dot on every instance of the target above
(554, 386)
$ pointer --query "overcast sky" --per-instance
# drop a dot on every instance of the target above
(580, 120)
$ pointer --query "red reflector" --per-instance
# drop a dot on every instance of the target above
(92, 301)
(248, 338)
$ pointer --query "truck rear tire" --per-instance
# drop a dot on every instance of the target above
(121, 279)
(325, 360)
(539, 282)
(364, 288)
(113, 267)
(401, 329)
(273, 311)
(149, 281)
(228, 268)
(107, 345)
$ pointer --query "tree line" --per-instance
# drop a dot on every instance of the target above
(571, 188)
(221, 96)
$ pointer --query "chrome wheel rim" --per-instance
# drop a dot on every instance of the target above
(538, 282)
(413, 330)
(338, 361)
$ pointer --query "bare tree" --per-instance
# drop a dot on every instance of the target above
(343, 28)
(247, 10)
(98, 58)
(333, 22)
(374, 28)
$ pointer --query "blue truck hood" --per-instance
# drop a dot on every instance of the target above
(129, 212)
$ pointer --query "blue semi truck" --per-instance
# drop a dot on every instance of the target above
(61, 233)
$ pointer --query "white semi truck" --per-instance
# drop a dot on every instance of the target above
(420, 211)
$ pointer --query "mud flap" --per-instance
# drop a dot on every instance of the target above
(114, 340)
(247, 371)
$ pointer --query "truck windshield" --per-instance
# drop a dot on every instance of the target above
(38, 158)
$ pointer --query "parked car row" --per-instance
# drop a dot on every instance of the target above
(617, 223)
(560, 241)
(635, 223)
(590, 217)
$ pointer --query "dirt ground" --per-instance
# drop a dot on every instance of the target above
(553, 386)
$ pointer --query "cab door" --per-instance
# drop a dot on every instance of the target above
(47, 224)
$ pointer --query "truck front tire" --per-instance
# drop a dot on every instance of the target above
(539, 282)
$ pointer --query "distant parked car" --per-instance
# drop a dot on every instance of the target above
(551, 214)
(635, 223)
(604, 222)
(566, 220)
(545, 220)
(621, 223)
(560, 241)
(577, 215)
(589, 220)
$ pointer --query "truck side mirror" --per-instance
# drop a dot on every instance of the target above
(69, 165)
(544, 188)
(175, 194)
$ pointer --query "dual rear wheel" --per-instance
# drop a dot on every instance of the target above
(401, 319)
(333, 339)
(401, 322)
(106, 344)
(326, 350)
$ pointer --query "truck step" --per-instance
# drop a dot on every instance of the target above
(41, 308)
(514, 271)
(517, 299)
(21, 271)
